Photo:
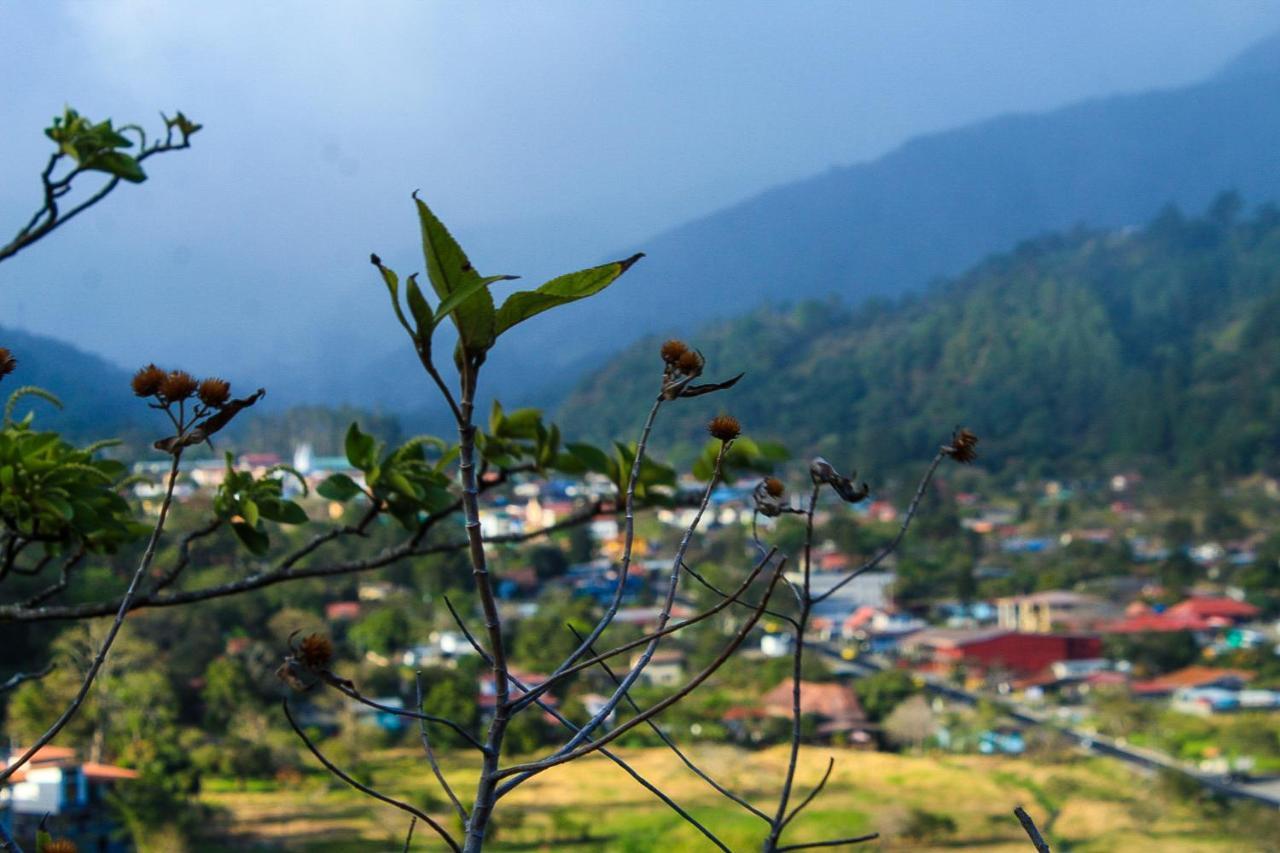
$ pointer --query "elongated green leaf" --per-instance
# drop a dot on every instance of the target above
(462, 294)
(392, 281)
(524, 304)
(120, 165)
(418, 307)
(450, 271)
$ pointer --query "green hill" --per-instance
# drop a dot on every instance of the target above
(1153, 346)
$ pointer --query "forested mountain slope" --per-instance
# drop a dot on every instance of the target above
(1156, 345)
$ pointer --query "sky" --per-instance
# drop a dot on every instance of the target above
(548, 135)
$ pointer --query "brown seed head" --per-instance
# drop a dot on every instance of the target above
(177, 385)
(774, 487)
(7, 362)
(724, 427)
(214, 392)
(963, 447)
(147, 381)
(316, 651)
(59, 845)
(672, 350)
(689, 362)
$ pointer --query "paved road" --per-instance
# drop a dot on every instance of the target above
(1265, 792)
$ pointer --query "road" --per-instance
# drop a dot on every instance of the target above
(1265, 792)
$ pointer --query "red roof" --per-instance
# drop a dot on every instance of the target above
(94, 770)
(1211, 607)
(826, 699)
(1192, 676)
(1160, 622)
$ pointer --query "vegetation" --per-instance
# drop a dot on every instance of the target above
(1152, 347)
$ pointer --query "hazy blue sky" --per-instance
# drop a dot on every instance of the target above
(549, 134)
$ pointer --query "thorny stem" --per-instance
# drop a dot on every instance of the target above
(143, 566)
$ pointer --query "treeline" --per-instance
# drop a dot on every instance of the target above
(1154, 346)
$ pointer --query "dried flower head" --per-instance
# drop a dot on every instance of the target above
(7, 362)
(315, 651)
(689, 362)
(963, 447)
(774, 487)
(724, 427)
(147, 381)
(177, 385)
(214, 392)
(59, 845)
(672, 350)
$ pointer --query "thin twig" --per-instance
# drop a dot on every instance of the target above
(665, 738)
(817, 789)
(835, 842)
(1029, 826)
(431, 755)
(377, 795)
(408, 839)
(20, 677)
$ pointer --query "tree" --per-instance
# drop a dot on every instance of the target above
(882, 692)
(911, 723)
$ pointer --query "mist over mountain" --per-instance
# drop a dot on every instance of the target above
(929, 209)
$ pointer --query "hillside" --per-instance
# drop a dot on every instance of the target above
(96, 393)
(941, 203)
(1141, 346)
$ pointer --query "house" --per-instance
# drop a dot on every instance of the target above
(665, 667)
(487, 694)
(72, 794)
(1215, 610)
(998, 649)
(834, 706)
(1042, 612)
(1194, 677)
(342, 611)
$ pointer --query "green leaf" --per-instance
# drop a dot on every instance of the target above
(465, 292)
(418, 307)
(451, 272)
(362, 450)
(339, 487)
(282, 512)
(254, 539)
(592, 458)
(249, 510)
(392, 282)
(522, 423)
(118, 164)
(522, 305)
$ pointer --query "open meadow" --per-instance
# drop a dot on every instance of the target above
(916, 803)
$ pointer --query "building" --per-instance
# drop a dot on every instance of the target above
(72, 794)
(665, 668)
(998, 649)
(1193, 677)
(833, 706)
(1043, 612)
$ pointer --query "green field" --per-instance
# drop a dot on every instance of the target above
(592, 806)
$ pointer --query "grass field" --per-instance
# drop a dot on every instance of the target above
(591, 805)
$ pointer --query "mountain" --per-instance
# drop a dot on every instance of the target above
(1153, 346)
(96, 394)
(932, 208)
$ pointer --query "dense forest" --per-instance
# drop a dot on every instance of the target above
(1137, 346)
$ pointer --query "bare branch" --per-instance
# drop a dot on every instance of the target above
(688, 762)
(835, 842)
(817, 789)
(365, 789)
(524, 771)
(431, 757)
(21, 677)
(1029, 826)
(897, 539)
